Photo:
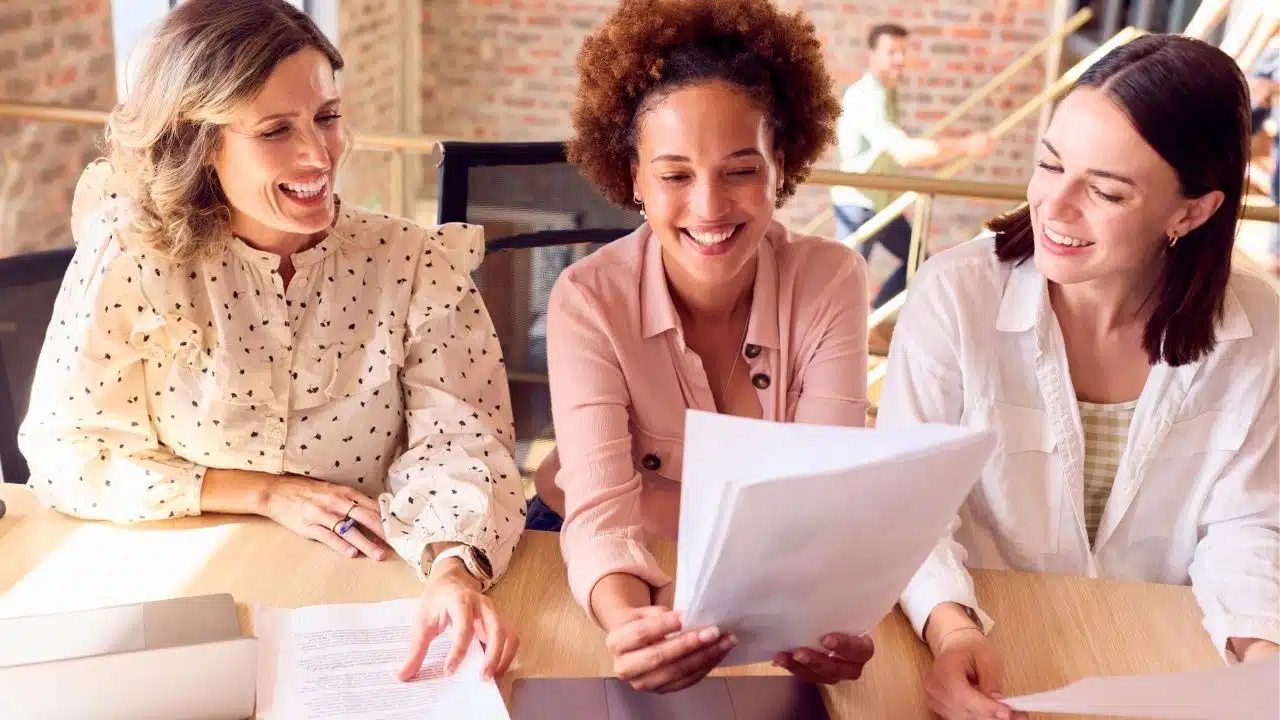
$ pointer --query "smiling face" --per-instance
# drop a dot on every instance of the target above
(708, 176)
(278, 158)
(888, 59)
(1103, 202)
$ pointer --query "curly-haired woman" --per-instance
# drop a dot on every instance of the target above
(706, 116)
(230, 339)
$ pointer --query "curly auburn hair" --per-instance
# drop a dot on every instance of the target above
(649, 48)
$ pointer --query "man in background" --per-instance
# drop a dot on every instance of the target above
(1264, 84)
(871, 141)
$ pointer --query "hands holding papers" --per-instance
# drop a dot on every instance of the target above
(790, 533)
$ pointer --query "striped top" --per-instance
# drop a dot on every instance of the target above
(1106, 430)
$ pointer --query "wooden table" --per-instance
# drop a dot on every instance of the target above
(1051, 629)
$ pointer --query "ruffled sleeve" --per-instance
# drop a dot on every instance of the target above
(457, 481)
(87, 437)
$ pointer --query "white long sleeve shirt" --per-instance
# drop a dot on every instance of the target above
(1197, 495)
(377, 368)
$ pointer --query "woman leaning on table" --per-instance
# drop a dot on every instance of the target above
(1129, 372)
(706, 116)
(231, 338)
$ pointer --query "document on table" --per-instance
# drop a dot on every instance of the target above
(1240, 692)
(792, 531)
(341, 661)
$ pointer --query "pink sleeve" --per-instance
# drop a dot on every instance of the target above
(603, 527)
(834, 378)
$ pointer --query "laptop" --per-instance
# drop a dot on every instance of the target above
(715, 698)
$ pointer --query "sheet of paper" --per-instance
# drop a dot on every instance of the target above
(722, 451)
(849, 512)
(63, 636)
(341, 661)
(1240, 692)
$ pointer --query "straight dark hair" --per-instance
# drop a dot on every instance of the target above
(890, 29)
(1189, 101)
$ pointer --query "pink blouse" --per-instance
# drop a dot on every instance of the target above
(622, 378)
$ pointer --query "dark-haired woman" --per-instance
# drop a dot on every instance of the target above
(706, 115)
(1129, 372)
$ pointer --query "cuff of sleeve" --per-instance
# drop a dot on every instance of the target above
(1224, 627)
(189, 490)
(590, 560)
(475, 561)
(927, 591)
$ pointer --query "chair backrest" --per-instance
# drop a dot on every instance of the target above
(539, 215)
(29, 285)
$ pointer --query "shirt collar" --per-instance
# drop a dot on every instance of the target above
(658, 312)
(1025, 295)
(1027, 292)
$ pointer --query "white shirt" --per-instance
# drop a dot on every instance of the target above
(867, 128)
(1196, 498)
(377, 368)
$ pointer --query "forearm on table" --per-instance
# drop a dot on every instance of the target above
(615, 595)
(947, 618)
(236, 492)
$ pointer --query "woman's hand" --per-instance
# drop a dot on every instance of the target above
(842, 659)
(964, 682)
(653, 652)
(314, 509)
(452, 597)
(1253, 649)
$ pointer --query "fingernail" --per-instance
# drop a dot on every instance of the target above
(802, 657)
(381, 556)
(351, 552)
(829, 642)
(728, 642)
(709, 634)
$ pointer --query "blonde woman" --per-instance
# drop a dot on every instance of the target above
(231, 339)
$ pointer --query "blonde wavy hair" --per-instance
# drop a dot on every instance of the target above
(206, 59)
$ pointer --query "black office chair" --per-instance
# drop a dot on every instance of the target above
(29, 285)
(540, 215)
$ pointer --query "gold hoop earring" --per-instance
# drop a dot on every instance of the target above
(1173, 240)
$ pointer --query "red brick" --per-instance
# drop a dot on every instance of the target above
(60, 78)
(970, 33)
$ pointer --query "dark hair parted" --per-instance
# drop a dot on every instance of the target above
(1190, 103)
(891, 29)
(649, 48)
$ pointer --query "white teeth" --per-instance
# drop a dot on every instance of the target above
(708, 238)
(306, 190)
(1065, 240)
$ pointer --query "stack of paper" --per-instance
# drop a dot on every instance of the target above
(790, 531)
(341, 662)
(1242, 692)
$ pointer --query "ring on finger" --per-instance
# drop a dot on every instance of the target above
(342, 526)
(349, 510)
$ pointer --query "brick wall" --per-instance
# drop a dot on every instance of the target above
(369, 36)
(503, 69)
(57, 52)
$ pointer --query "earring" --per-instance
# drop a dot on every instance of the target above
(640, 203)
(1173, 240)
